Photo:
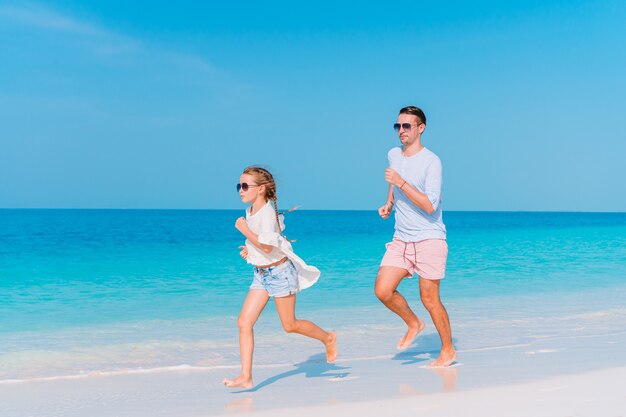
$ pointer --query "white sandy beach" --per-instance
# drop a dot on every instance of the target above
(186, 394)
(599, 393)
(564, 363)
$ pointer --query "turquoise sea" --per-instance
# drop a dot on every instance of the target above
(85, 291)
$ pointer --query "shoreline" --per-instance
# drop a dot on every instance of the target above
(479, 336)
(551, 362)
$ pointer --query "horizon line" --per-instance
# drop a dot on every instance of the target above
(300, 209)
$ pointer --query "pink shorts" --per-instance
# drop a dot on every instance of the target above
(426, 258)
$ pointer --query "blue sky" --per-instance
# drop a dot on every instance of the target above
(111, 104)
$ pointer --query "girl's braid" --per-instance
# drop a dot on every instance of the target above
(264, 177)
(275, 201)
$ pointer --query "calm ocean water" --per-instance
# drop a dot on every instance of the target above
(84, 279)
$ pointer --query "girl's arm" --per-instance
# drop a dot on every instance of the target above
(242, 226)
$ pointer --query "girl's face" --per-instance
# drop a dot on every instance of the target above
(254, 190)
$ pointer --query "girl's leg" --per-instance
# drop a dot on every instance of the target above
(255, 302)
(286, 307)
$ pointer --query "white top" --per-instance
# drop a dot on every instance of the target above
(423, 172)
(263, 223)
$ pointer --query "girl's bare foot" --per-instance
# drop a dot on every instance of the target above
(410, 335)
(446, 358)
(239, 382)
(331, 347)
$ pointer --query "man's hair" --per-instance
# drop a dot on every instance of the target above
(415, 111)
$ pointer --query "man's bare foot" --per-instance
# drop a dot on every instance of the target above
(410, 335)
(331, 347)
(239, 382)
(446, 358)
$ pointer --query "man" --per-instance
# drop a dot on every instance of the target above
(419, 242)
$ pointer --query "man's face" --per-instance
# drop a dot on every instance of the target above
(409, 136)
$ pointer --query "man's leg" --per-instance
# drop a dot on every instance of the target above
(429, 292)
(387, 281)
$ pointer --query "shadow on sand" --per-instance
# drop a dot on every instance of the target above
(314, 367)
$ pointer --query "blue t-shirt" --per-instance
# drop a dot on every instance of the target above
(422, 171)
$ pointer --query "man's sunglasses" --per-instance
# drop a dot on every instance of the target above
(245, 186)
(405, 126)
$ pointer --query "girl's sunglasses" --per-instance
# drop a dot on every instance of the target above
(245, 186)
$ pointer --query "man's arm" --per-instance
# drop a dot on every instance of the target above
(390, 195)
(385, 210)
(420, 199)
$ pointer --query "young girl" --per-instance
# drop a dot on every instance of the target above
(278, 272)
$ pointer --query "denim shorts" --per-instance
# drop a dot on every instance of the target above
(278, 281)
